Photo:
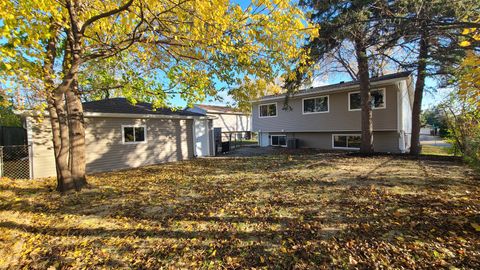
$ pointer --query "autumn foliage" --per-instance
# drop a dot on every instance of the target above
(305, 211)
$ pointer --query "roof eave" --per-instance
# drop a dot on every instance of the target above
(336, 89)
(32, 113)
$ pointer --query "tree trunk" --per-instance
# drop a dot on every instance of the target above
(77, 137)
(366, 146)
(64, 179)
(54, 123)
(48, 70)
(417, 100)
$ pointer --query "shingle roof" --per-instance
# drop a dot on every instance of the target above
(398, 75)
(217, 109)
(122, 105)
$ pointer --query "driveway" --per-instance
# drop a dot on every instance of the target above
(251, 151)
(433, 140)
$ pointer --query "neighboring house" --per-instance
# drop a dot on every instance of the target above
(120, 135)
(228, 119)
(428, 130)
(329, 117)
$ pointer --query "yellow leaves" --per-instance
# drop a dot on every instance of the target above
(465, 43)
(213, 253)
(468, 76)
(475, 226)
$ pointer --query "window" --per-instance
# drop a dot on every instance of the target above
(346, 141)
(134, 134)
(278, 140)
(268, 110)
(315, 105)
(377, 97)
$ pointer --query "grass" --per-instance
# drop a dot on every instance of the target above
(306, 210)
(436, 150)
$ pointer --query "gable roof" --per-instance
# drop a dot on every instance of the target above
(374, 80)
(123, 106)
(217, 109)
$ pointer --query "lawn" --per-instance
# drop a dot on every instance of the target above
(306, 210)
(436, 150)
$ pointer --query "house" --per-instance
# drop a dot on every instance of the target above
(229, 124)
(226, 118)
(329, 117)
(120, 135)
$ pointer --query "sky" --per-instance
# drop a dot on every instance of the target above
(432, 96)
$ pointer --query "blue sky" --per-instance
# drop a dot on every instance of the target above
(430, 97)
(433, 95)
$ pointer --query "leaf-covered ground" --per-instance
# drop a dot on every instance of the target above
(304, 211)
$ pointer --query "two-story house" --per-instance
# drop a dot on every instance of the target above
(329, 117)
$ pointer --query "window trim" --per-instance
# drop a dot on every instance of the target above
(328, 104)
(279, 135)
(347, 135)
(373, 108)
(134, 126)
(266, 104)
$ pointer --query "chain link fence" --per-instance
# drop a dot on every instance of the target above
(15, 161)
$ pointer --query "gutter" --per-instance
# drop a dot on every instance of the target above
(119, 115)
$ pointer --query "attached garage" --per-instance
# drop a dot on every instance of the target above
(120, 135)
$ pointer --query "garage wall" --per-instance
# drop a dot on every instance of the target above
(40, 138)
(167, 140)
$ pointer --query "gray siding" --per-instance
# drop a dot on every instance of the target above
(339, 118)
(383, 141)
(167, 140)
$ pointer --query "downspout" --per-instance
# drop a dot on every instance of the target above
(400, 131)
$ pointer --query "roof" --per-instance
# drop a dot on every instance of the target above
(217, 109)
(399, 75)
(123, 106)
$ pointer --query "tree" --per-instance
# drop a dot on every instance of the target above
(435, 117)
(254, 89)
(430, 31)
(182, 47)
(7, 117)
(349, 21)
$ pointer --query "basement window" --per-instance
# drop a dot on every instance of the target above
(350, 141)
(134, 134)
(278, 140)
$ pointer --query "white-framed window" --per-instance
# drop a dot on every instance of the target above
(278, 140)
(267, 110)
(377, 98)
(346, 141)
(319, 104)
(134, 134)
